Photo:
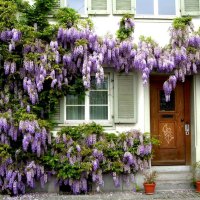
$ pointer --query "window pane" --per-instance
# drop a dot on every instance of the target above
(166, 7)
(75, 100)
(167, 106)
(75, 112)
(98, 97)
(99, 112)
(145, 7)
(102, 86)
(78, 5)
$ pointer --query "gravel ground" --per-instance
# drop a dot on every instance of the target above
(170, 194)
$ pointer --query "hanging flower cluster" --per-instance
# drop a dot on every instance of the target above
(83, 52)
(34, 136)
(16, 173)
(35, 172)
(182, 53)
(17, 180)
(11, 179)
(8, 131)
(11, 36)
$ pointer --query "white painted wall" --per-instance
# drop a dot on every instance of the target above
(158, 29)
(195, 118)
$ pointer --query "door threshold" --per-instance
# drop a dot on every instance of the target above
(174, 168)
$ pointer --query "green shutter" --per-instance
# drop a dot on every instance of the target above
(123, 6)
(58, 116)
(190, 7)
(125, 94)
(98, 6)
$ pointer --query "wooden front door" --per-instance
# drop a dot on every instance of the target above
(168, 121)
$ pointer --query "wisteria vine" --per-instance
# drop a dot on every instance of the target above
(32, 69)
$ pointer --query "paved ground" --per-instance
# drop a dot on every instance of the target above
(171, 194)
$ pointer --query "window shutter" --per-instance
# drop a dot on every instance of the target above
(58, 116)
(57, 4)
(125, 95)
(98, 6)
(190, 7)
(123, 6)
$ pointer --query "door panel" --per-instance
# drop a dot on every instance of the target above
(167, 124)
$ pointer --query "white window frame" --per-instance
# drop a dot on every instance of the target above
(63, 3)
(107, 122)
(156, 15)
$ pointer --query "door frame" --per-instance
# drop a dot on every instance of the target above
(187, 105)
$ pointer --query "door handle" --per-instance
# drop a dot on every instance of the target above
(187, 129)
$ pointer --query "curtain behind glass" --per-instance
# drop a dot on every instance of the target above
(75, 107)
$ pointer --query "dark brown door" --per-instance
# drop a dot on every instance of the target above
(168, 120)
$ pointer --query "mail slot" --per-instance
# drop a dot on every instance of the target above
(167, 116)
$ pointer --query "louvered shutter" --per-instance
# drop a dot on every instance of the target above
(58, 116)
(190, 7)
(123, 6)
(125, 94)
(98, 6)
(57, 4)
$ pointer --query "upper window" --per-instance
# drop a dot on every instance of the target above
(156, 7)
(78, 5)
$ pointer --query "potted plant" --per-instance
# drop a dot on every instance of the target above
(196, 175)
(150, 182)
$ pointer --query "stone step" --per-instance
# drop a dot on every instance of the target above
(171, 168)
(173, 176)
(174, 185)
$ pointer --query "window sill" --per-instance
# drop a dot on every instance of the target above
(83, 16)
(157, 17)
(104, 123)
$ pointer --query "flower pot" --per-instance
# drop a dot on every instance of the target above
(197, 186)
(149, 188)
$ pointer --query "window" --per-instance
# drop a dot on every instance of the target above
(94, 106)
(113, 101)
(98, 100)
(156, 7)
(145, 7)
(78, 5)
(75, 107)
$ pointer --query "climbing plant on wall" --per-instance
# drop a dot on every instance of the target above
(39, 63)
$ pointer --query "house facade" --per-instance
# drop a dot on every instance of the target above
(122, 102)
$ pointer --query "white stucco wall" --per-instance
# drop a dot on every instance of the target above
(195, 118)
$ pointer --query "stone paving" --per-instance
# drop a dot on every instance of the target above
(170, 194)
